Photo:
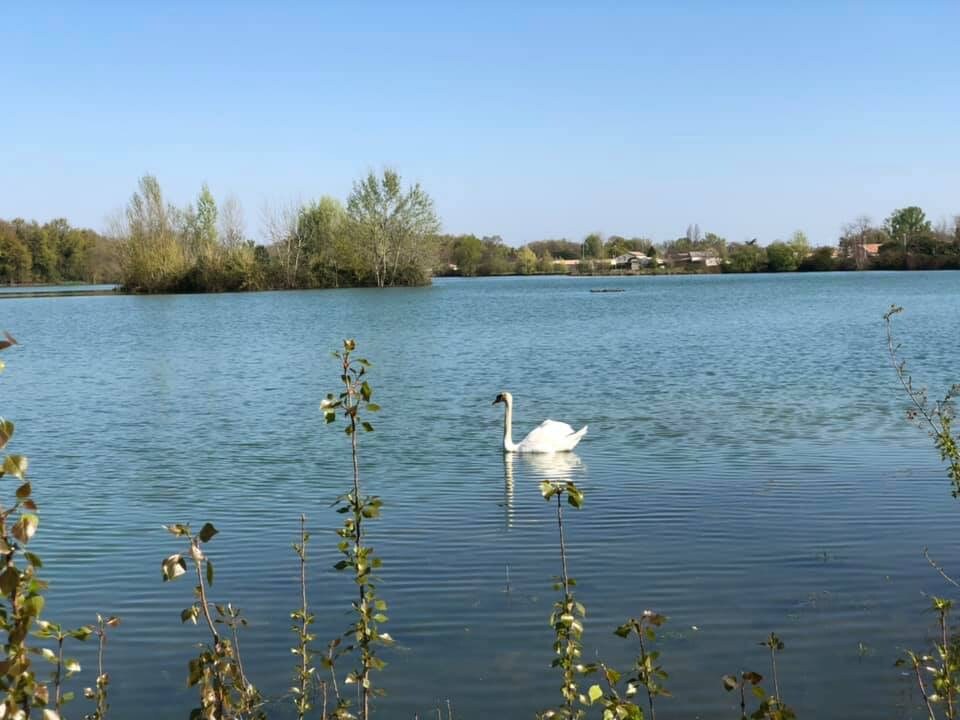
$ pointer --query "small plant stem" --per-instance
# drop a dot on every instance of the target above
(333, 674)
(323, 695)
(203, 602)
(358, 536)
(201, 588)
(776, 684)
(643, 659)
(303, 621)
(563, 549)
(59, 675)
(743, 700)
(943, 574)
(947, 662)
(236, 652)
(923, 690)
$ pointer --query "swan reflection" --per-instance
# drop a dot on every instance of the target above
(536, 467)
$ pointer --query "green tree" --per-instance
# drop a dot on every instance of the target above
(820, 260)
(593, 246)
(153, 258)
(468, 254)
(907, 225)
(392, 228)
(15, 260)
(206, 227)
(745, 258)
(526, 261)
(781, 257)
(322, 227)
(800, 246)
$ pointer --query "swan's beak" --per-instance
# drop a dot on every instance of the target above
(499, 399)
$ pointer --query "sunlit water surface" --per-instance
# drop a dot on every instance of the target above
(748, 468)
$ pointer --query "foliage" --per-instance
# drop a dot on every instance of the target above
(770, 707)
(907, 226)
(391, 228)
(568, 614)
(225, 692)
(302, 620)
(746, 258)
(781, 257)
(526, 261)
(593, 246)
(936, 417)
(358, 557)
(100, 692)
(20, 585)
(941, 669)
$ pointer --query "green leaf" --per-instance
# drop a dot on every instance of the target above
(23, 492)
(373, 407)
(366, 392)
(207, 532)
(594, 693)
(729, 683)
(209, 572)
(367, 426)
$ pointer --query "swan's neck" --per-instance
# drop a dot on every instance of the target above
(508, 444)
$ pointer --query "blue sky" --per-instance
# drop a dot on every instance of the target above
(752, 119)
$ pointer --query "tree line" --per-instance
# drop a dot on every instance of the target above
(382, 236)
(55, 252)
(388, 234)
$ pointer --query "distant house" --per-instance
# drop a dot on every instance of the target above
(707, 258)
(634, 260)
(631, 260)
(871, 249)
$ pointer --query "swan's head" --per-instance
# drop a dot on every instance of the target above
(504, 397)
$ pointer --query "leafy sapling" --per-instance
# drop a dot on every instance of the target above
(358, 556)
(568, 614)
(63, 668)
(99, 694)
(225, 692)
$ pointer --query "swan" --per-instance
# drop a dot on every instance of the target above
(548, 437)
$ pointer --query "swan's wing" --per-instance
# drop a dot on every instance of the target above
(551, 436)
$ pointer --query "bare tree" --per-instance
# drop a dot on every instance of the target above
(232, 224)
(279, 224)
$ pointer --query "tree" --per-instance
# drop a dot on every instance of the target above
(15, 260)
(781, 257)
(820, 260)
(467, 254)
(855, 235)
(153, 258)
(232, 230)
(907, 225)
(320, 230)
(593, 246)
(206, 227)
(745, 258)
(526, 261)
(800, 246)
(497, 258)
(392, 228)
(546, 264)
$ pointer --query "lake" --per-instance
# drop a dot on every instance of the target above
(748, 468)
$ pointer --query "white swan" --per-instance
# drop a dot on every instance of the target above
(549, 436)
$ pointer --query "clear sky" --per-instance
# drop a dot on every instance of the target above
(526, 120)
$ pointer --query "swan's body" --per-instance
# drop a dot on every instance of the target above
(548, 437)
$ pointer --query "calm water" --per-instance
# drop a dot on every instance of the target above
(747, 469)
